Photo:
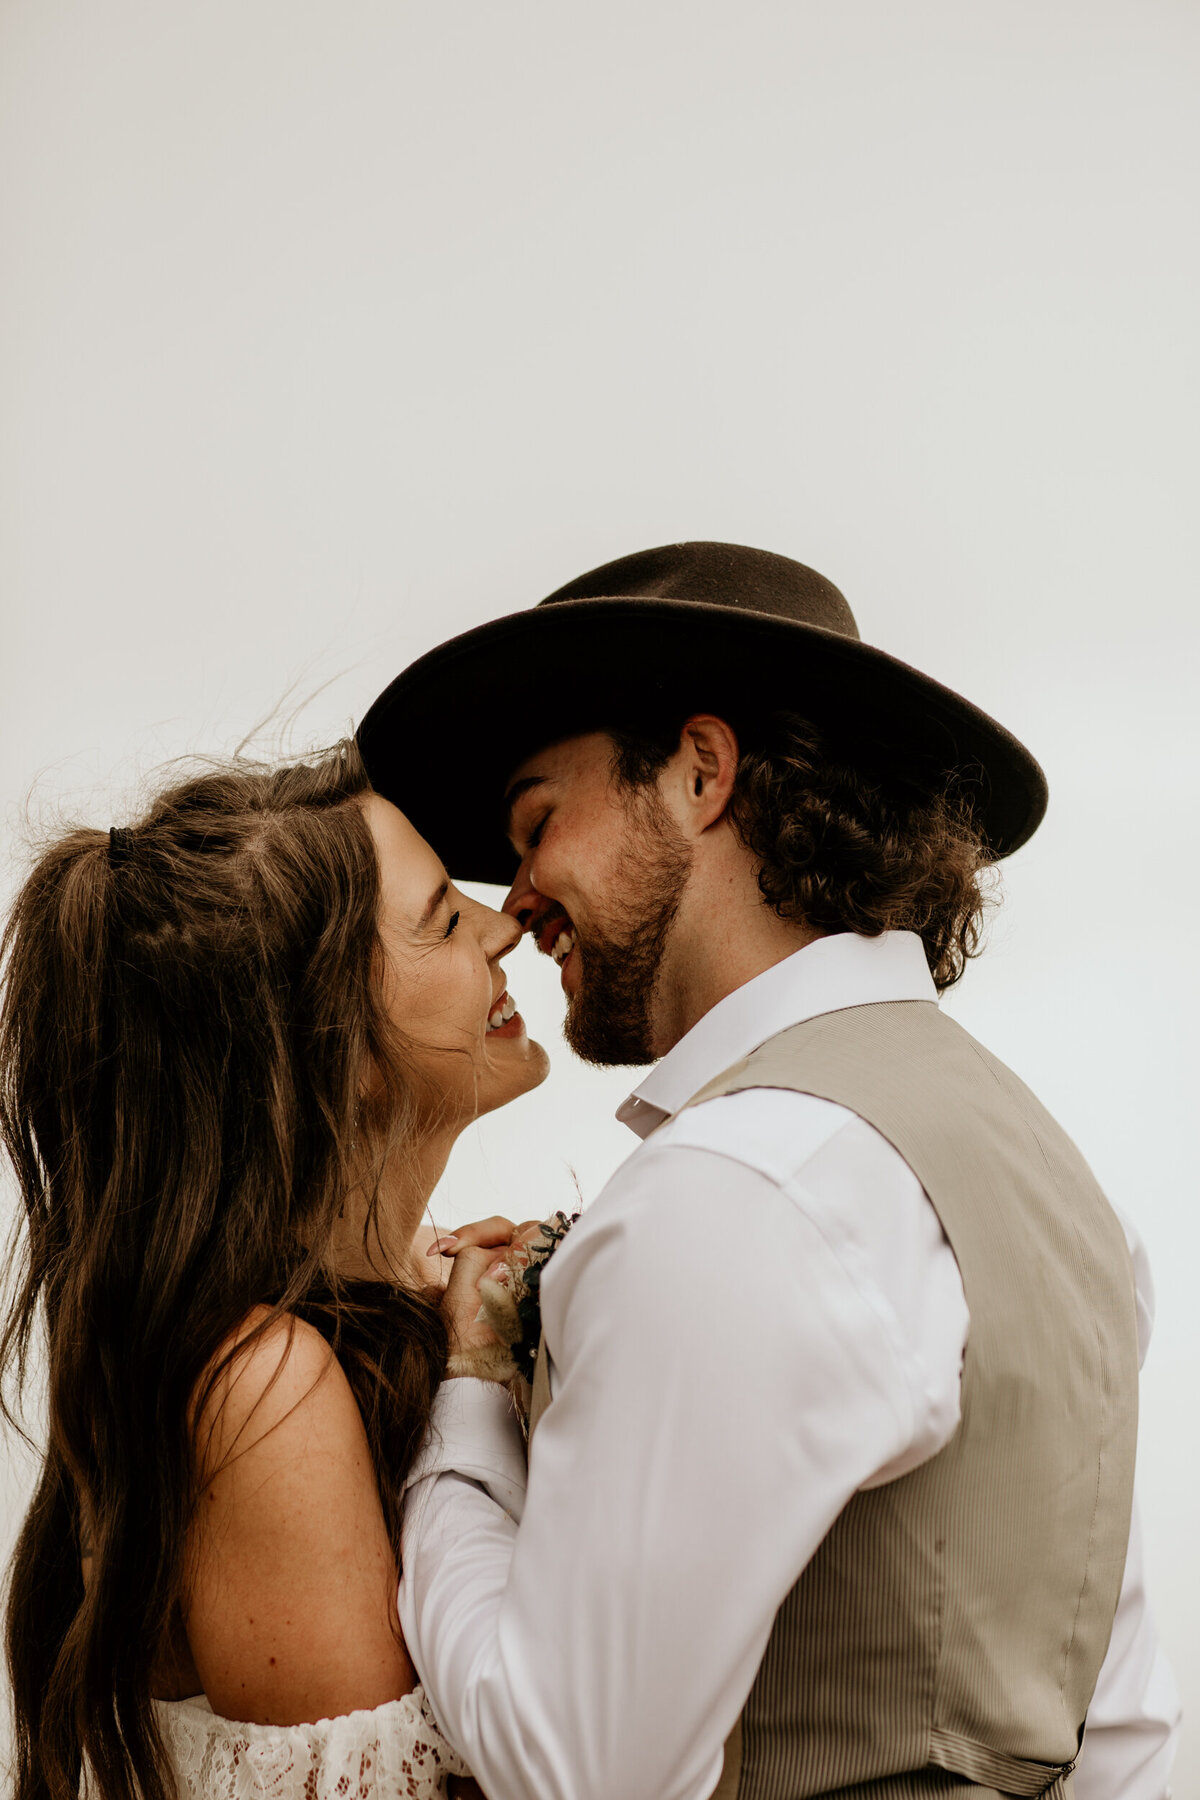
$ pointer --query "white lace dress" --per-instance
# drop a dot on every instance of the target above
(394, 1752)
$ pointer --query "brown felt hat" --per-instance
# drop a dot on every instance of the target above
(699, 627)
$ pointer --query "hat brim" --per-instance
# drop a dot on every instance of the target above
(442, 740)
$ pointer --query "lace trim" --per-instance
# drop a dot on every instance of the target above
(393, 1752)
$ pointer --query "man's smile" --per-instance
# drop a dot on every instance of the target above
(563, 945)
(555, 935)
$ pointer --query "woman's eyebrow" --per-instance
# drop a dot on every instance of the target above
(435, 901)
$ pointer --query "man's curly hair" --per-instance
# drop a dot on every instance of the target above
(845, 840)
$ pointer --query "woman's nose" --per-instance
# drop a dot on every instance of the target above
(504, 934)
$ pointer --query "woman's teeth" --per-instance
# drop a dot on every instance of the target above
(564, 943)
(503, 1012)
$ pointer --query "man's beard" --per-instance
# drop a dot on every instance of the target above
(609, 1019)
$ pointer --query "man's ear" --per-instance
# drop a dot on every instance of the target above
(708, 749)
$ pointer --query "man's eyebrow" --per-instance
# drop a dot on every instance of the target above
(434, 902)
(517, 789)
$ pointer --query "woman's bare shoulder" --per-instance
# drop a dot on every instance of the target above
(290, 1603)
(274, 1375)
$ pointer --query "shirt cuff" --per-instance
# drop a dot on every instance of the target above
(473, 1431)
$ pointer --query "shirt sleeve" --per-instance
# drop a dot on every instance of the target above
(725, 1378)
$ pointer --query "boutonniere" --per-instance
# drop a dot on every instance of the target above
(511, 1304)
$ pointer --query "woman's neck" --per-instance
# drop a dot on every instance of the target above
(379, 1244)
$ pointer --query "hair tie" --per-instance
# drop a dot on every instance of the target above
(120, 840)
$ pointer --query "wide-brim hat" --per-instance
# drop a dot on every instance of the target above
(701, 627)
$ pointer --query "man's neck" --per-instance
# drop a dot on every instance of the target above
(703, 966)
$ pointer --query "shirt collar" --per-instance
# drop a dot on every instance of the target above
(827, 975)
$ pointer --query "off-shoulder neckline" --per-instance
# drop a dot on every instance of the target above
(414, 1700)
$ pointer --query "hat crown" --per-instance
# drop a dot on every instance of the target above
(711, 574)
(709, 625)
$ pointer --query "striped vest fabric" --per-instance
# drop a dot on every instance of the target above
(947, 1635)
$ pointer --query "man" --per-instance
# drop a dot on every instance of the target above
(833, 1491)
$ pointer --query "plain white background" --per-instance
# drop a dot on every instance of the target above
(329, 330)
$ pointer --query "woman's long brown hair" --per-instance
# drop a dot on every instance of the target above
(189, 1006)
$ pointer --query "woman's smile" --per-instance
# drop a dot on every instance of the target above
(504, 1021)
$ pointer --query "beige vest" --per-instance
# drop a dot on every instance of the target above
(947, 1635)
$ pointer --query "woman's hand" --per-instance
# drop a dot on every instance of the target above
(425, 1244)
(475, 1248)
(484, 1248)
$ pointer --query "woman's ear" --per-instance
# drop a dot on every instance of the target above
(709, 748)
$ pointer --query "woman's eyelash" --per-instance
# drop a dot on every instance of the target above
(454, 918)
(535, 836)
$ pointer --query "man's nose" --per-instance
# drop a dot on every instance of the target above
(522, 900)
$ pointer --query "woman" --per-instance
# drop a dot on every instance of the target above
(238, 1041)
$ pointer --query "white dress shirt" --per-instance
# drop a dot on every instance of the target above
(758, 1316)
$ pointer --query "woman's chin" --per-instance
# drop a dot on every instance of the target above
(518, 1063)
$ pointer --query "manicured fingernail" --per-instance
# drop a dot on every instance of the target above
(442, 1246)
(496, 1271)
